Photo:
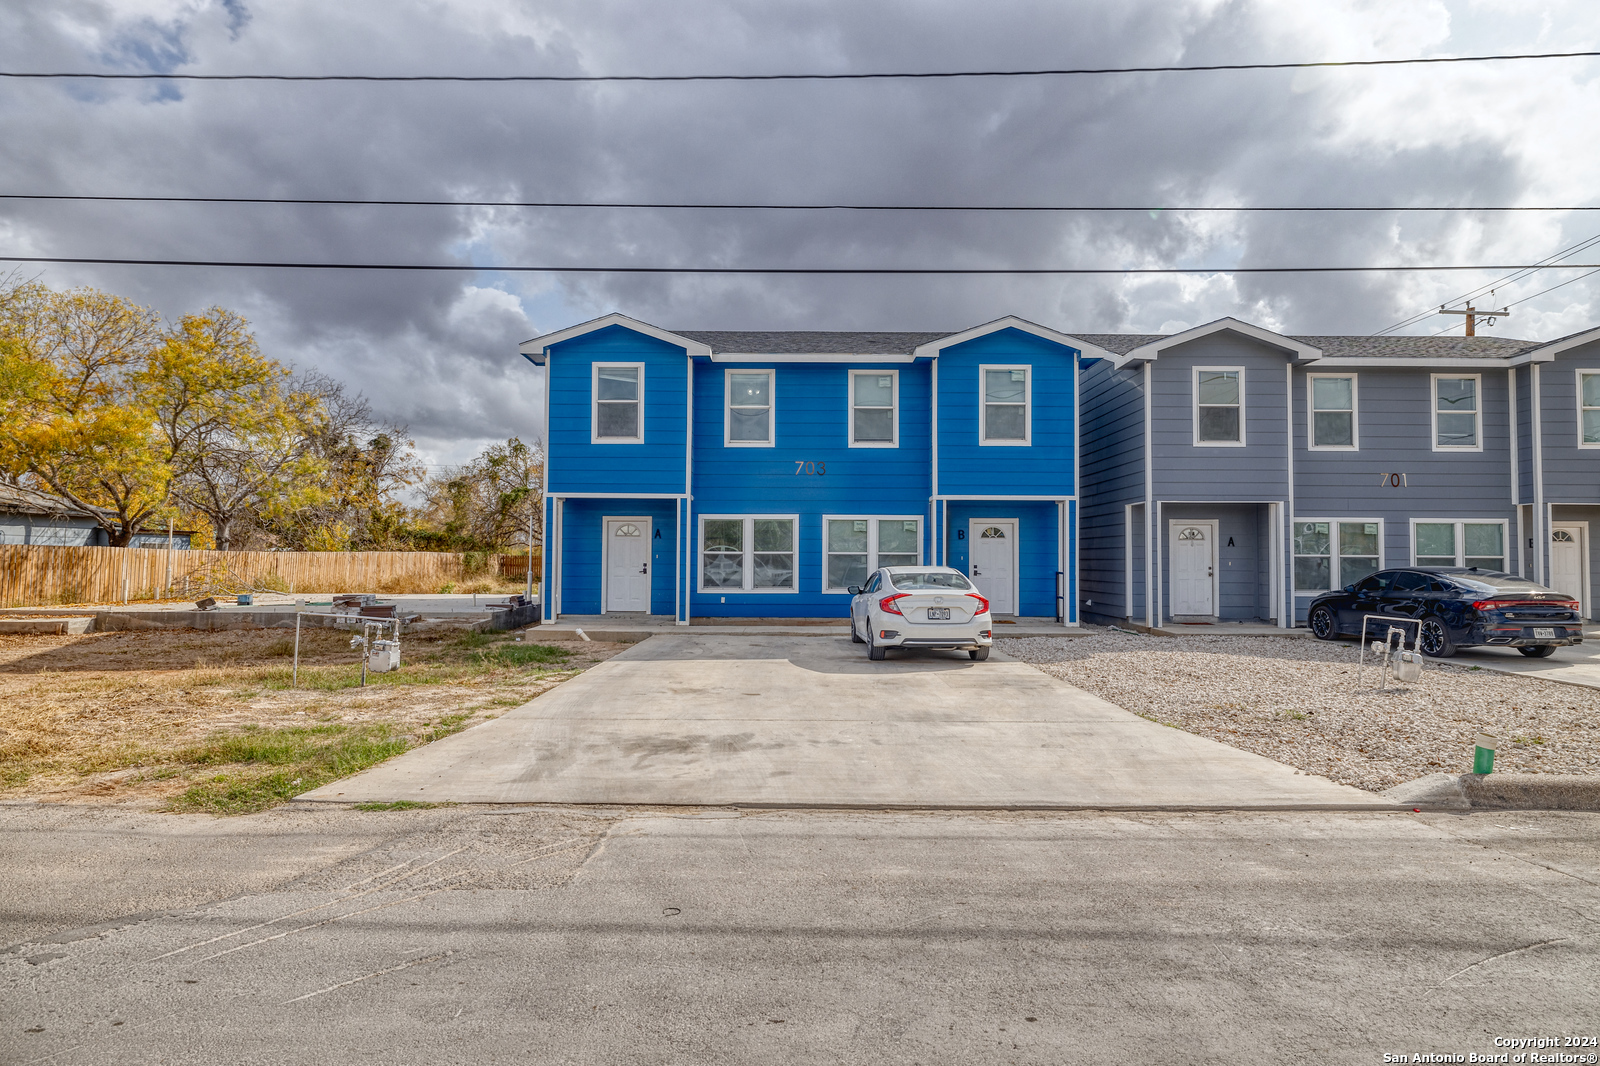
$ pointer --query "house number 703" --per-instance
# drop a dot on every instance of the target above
(803, 466)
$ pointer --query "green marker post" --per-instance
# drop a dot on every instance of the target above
(1483, 757)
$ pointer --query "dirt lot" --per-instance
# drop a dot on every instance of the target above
(1302, 702)
(208, 721)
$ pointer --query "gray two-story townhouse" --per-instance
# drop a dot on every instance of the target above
(1232, 473)
(1557, 389)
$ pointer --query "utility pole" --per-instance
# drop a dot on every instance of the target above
(1473, 315)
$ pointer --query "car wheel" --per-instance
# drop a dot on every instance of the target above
(1538, 651)
(875, 653)
(1322, 624)
(979, 654)
(1434, 639)
(855, 638)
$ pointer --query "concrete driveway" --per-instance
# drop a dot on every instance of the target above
(809, 722)
(1575, 666)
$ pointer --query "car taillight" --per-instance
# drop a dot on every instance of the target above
(887, 603)
(1496, 605)
(983, 604)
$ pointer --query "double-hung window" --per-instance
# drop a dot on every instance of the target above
(747, 553)
(1332, 418)
(1479, 544)
(1007, 405)
(1589, 408)
(618, 416)
(1457, 414)
(1219, 406)
(1334, 553)
(750, 409)
(874, 408)
(855, 547)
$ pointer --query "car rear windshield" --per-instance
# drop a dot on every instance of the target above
(929, 580)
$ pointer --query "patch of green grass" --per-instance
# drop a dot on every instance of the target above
(525, 654)
(399, 805)
(473, 639)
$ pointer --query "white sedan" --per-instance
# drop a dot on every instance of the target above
(920, 607)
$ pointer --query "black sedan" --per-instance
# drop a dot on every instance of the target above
(1450, 607)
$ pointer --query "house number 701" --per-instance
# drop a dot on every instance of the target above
(802, 466)
(1394, 481)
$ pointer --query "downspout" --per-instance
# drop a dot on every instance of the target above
(685, 510)
(1516, 483)
(1070, 545)
(1150, 582)
(936, 519)
(1540, 533)
(547, 601)
(1285, 590)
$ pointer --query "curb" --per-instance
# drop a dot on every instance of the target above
(1500, 792)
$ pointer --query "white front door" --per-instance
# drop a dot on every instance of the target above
(993, 552)
(1194, 569)
(627, 565)
(1566, 562)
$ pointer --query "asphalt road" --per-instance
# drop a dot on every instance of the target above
(473, 935)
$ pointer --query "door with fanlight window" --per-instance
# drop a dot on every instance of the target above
(1567, 542)
(1194, 569)
(993, 556)
(627, 565)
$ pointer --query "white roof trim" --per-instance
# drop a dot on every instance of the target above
(1442, 361)
(1085, 349)
(1546, 353)
(811, 357)
(1301, 351)
(536, 348)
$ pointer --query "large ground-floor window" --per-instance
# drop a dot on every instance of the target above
(854, 547)
(1332, 553)
(1459, 543)
(747, 553)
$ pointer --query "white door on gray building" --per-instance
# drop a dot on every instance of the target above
(994, 562)
(1566, 563)
(1194, 569)
(627, 564)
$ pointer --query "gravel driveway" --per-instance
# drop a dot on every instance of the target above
(1297, 701)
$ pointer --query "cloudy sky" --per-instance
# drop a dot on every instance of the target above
(437, 351)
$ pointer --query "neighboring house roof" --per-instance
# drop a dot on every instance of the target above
(808, 341)
(14, 499)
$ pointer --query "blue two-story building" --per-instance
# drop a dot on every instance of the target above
(716, 474)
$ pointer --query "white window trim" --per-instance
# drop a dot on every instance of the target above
(1577, 399)
(1194, 406)
(1461, 536)
(749, 553)
(1027, 407)
(727, 408)
(1355, 417)
(850, 410)
(1333, 546)
(594, 404)
(1433, 414)
(872, 542)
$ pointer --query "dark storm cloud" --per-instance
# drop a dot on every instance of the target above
(439, 350)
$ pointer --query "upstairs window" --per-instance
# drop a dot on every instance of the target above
(1456, 414)
(747, 553)
(1333, 411)
(856, 547)
(1007, 405)
(1218, 406)
(874, 408)
(618, 390)
(1589, 408)
(749, 417)
(1479, 544)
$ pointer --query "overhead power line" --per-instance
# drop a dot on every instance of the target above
(1084, 208)
(557, 269)
(863, 76)
(1517, 274)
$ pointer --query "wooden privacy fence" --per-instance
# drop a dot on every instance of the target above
(45, 576)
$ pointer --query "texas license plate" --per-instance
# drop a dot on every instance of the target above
(1544, 634)
(938, 614)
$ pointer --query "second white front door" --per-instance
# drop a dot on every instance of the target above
(993, 552)
(627, 565)
(1194, 569)
(1566, 562)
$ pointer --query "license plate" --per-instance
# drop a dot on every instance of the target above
(938, 614)
(1544, 634)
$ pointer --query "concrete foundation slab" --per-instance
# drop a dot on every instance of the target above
(46, 626)
(809, 722)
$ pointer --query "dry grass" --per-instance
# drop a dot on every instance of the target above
(208, 720)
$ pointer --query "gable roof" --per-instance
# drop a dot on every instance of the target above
(1543, 353)
(536, 347)
(1297, 349)
(1085, 349)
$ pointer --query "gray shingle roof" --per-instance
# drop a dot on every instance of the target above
(14, 499)
(844, 342)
